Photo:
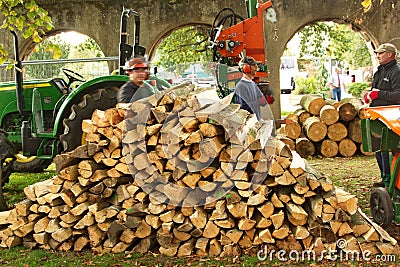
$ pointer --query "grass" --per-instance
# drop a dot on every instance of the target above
(14, 190)
(355, 175)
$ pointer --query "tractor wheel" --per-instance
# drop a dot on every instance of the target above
(99, 99)
(29, 164)
(6, 158)
(381, 206)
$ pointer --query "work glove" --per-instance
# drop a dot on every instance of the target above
(371, 96)
(266, 99)
(270, 99)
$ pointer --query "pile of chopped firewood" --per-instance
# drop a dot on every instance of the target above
(183, 174)
(324, 127)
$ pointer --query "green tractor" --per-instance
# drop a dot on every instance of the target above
(42, 118)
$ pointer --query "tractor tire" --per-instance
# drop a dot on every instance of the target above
(100, 99)
(30, 164)
(6, 158)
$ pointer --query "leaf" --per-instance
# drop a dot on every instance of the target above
(36, 37)
(28, 33)
(367, 4)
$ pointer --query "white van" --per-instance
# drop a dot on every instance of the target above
(288, 72)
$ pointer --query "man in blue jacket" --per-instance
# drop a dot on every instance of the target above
(247, 93)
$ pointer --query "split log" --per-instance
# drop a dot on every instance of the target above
(289, 142)
(148, 195)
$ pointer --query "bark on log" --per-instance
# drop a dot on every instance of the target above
(354, 130)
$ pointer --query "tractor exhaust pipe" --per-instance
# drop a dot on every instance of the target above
(126, 51)
(18, 77)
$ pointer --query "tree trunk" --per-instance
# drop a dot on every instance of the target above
(329, 148)
(302, 114)
(305, 147)
(315, 129)
(337, 131)
(347, 112)
(312, 103)
(291, 129)
(347, 147)
(329, 115)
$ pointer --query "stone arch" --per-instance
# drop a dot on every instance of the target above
(100, 21)
(158, 39)
(27, 46)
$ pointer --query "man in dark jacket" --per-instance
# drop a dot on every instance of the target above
(138, 70)
(385, 92)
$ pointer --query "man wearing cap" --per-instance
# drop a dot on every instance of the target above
(138, 70)
(385, 91)
(247, 93)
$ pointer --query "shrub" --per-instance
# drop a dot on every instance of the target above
(356, 89)
(306, 86)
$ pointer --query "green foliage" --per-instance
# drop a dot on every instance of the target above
(48, 49)
(26, 17)
(356, 89)
(322, 75)
(306, 86)
(92, 46)
(187, 44)
(313, 39)
(336, 41)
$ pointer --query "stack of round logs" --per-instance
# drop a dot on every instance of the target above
(324, 127)
(98, 200)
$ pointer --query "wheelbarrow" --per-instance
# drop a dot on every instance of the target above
(381, 132)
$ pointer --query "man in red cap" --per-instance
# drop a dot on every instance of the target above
(385, 91)
(138, 70)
